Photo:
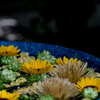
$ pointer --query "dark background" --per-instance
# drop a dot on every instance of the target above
(65, 23)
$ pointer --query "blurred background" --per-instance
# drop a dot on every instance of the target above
(73, 23)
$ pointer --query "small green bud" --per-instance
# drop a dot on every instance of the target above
(15, 66)
(7, 60)
(46, 55)
(8, 75)
(90, 93)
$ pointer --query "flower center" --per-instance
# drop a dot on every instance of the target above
(38, 69)
(3, 99)
(94, 87)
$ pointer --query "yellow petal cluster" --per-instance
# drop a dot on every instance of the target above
(37, 67)
(66, 60)
(89, 82)
(8, 96)
(9, 50)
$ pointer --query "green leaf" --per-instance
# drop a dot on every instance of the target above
(46, 97)
(31, 97)
(44, 76)
(88, 69)
(1, 82)
(34, 78)
(1, 86)
(25, 99)
(21, 97)
(14, 90)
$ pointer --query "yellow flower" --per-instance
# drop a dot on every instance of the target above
(8, 96)
(37, 67)
(9, 50)
(66, 60)
(88, 82)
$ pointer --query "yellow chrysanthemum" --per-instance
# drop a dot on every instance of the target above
(89, 82)
(66, 60)
(9, 50)
(37, 67)
(8, 96)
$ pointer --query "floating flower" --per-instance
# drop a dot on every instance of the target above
(17, 74)
(89, 82)
(96, 75)
(21, 80)
(30, 59)
(30, 89)
(9, 50)
(37, 67)
(86, 99)
(6, 85)
(71, 71)
(14, 84)
(90, 92)
(24, 54)
(23, 90)
(8, 96)
(66, 60)
(59, 88)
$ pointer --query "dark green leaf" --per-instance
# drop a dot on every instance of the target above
(21, 97)
(31, 97)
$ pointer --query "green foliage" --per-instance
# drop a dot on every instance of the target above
(34, 78)
(88, 69)
(11, 64)
(1, 82)
(21, 97)
(1, 85)
(7, 60)
(46, 55)
(8, 75)
(31, 97)
(46, 97)
(14, 66)
(44, 76)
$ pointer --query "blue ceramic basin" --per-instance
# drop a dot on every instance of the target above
(58, 51)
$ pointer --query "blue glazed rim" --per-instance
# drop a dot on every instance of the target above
(58, 51)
